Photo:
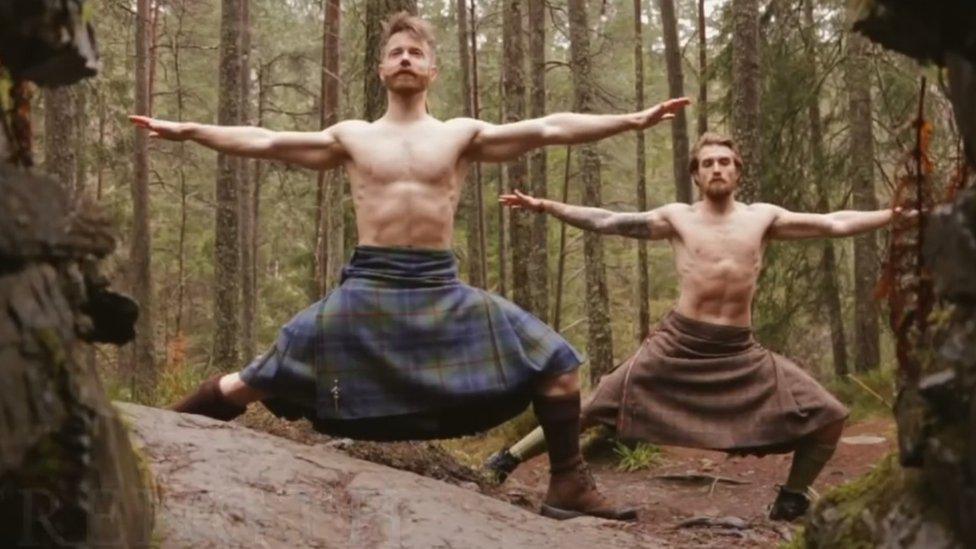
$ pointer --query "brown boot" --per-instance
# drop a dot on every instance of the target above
(209, 401)
(573, 493)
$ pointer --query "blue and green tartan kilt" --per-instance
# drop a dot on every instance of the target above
(403, 350)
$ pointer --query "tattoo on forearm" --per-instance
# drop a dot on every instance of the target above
(634, 225)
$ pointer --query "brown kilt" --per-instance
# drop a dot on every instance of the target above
(709, 386)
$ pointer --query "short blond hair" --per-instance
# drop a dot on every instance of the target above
(713, 138)
(405, 21)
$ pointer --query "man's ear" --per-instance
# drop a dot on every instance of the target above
(433, 73)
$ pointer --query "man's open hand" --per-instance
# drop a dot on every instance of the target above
(520, 200)
(163, 129)
(662, 111)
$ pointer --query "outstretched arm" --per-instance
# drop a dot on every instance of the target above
(315, 150)
(503, 142)
(652, 225)
(789, 225)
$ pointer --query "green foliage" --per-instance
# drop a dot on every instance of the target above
(636, 457)
(866, 402)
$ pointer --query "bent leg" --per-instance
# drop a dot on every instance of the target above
(811, 455)
(222, 397)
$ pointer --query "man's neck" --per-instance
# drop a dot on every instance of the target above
(718, 206)
(405, 107)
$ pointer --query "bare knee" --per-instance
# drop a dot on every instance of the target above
(237, 391)
(565, 384)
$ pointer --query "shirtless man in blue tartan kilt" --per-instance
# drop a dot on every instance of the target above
(402, 349)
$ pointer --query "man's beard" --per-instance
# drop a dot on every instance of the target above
(398, 84)
(718, 192)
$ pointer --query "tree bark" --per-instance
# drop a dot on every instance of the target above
(676, 88)
(227, 291)
(476, 111)
(516, 171)
(332, 223)
(702, 70)
(538, 258)
(246, 196)
(471, 197)
(142, 366)
(643, 278)
(600, 336)
(60, 155)
(829, 292)
(858, 80)
(746, 91)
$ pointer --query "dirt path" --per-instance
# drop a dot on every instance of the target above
(665, 504)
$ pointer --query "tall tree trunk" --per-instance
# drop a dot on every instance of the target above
(676, 88)
(829, 292)
(858, 77)
(746, 89)
(181, 171)
(60, 156)
(331, 220)
(538, 259)
(246, 208)
(643, 278)
(600, 336)
(471, 197)
(702, 70)
(476, 111)
(516, 171)
(227, 289)
(142, 366)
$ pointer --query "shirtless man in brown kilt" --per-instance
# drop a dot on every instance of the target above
(700, 379)
(402, 350)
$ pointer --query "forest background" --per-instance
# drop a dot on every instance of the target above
(220, 253)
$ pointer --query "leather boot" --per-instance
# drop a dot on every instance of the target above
(789, 505)
(208, 401)
(573, 493)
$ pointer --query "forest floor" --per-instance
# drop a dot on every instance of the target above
(680, 501)
(686, 498)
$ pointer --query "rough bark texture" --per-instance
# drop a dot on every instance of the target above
(538, 268)
(746, 93)
(702, 70)
(829, 291)
(329, 199)
(335, 198)
(858, 79)
(61, 135)
(516, 171)
(227, 486)
(246, 197)
(471, 195)
(643, 278)
(227, 290)
(676, 88)
(141, 366)
(68, 476)
(600, 337)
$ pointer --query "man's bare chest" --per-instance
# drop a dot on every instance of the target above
(721, 242)
(426, 157)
